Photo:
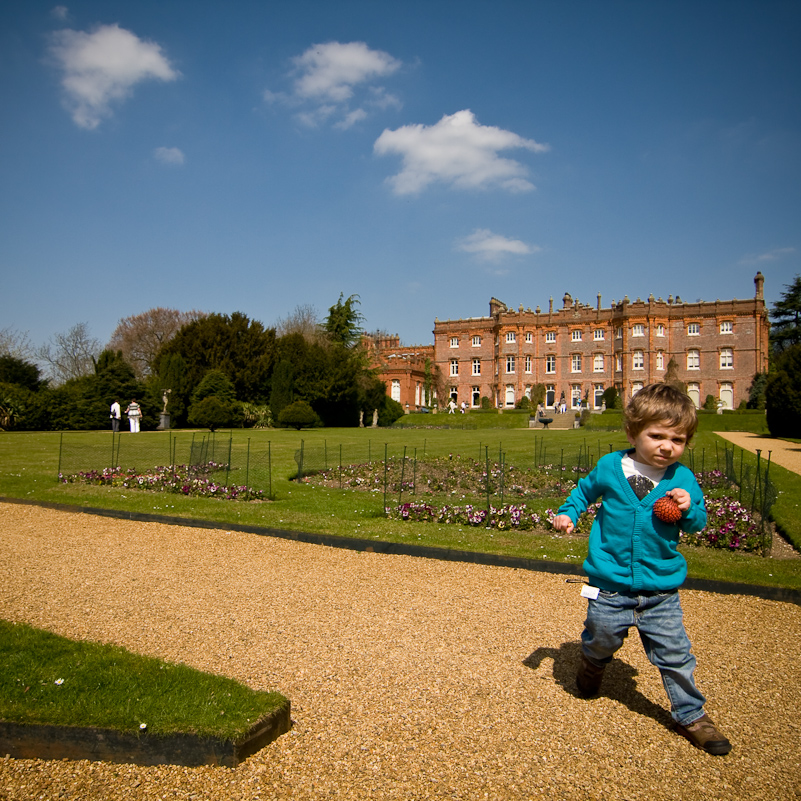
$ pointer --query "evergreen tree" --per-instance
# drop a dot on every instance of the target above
(786, 329)
(237, 346)
(343, 324)
(20, 373)
(783, 394)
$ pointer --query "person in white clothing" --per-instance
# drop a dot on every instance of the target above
(134, 413)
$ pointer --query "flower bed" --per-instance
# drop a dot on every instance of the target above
(448, 476)
(195, 480)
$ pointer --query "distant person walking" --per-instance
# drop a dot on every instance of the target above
(134, 415)
(116, 415)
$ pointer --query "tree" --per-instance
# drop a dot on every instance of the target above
(217, 384)
(786, 329)
(16, 344)
(141, 336)
(303, 320)
(783, 394)
(237, 346)
(756, 392)
(21, 373)
(343, 324)
(83, 403)
(298, 415)
(70, 355)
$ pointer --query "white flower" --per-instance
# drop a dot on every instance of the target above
(142, 726)
(59, 681)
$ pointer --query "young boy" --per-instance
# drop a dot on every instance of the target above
(634, 565)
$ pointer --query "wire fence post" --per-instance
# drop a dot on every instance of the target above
(386, 466)
(486, 457)
(60, 446)
(561, 462)
(403, 472)
(247, 464)
(270, 468)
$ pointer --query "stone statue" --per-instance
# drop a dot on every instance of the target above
(165, 397)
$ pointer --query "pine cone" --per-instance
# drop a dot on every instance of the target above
(667, 510)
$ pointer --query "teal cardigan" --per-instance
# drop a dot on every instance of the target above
(630, 549)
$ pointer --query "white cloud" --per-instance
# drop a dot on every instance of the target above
(771, 255)
(169, 155)
(330, 71)
(351, 119)
(327, 77)
(458, 151)
(104, 66)
(493, 247)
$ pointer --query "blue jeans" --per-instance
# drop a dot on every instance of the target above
(659, 620)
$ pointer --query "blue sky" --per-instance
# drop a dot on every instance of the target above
(426, 156)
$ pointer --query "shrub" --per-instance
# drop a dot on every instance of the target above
(298, 415)
(389, 412)
(486, 403)
(214, 412)
(524, 403)
(612, 399)
(710, 404)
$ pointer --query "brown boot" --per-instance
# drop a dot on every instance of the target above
(588, 679)
(703, 734)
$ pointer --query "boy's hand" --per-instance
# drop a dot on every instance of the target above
(564, 523)
(682, 498)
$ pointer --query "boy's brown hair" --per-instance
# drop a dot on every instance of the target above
(661, 403)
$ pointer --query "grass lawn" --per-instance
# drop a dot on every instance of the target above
(29, 465)
(47, 679)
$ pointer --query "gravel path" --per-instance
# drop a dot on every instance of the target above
(786, 454)
(409, 678)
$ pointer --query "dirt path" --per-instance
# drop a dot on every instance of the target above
(409, 678)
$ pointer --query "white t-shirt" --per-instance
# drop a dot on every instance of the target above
(632, 468)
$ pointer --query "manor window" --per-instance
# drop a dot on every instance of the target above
(454, 367)
(476, 366)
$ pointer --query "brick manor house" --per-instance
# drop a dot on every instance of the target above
(579, 350)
